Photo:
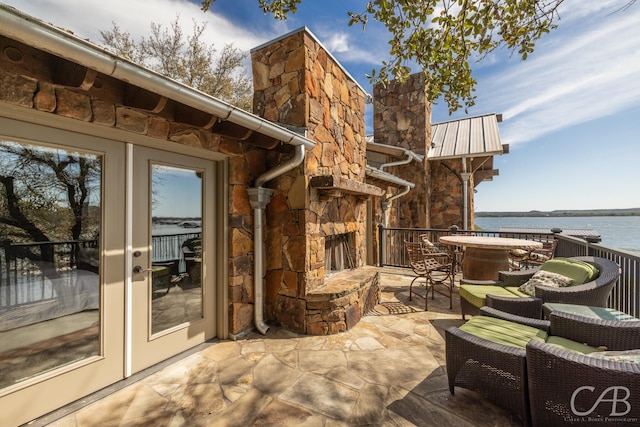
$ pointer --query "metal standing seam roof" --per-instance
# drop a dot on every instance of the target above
(468, 137)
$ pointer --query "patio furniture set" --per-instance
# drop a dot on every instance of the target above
(542, 342)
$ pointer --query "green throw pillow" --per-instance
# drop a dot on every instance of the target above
(580, 271)
(544, 278)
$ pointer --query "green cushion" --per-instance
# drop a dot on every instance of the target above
(571, 345)
(516, 291)
(477, 294)
(580, 271)
(502, 331)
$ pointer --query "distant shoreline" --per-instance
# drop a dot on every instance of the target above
(562, 213)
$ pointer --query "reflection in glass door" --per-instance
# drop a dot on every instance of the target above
(176, 246)
(50, 227)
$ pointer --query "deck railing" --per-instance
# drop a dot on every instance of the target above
(624, 297)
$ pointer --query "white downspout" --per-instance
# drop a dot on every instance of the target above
(410, 156)
(465, 194)
(259, 197)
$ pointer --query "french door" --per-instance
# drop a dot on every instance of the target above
(108, 254)
(62, 284)
(172, 256)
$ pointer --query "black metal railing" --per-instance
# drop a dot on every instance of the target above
(624, 297)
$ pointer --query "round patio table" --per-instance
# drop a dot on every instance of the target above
(484, 256)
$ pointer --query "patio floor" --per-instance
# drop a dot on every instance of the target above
(388, 370)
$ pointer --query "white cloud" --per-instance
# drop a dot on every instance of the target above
(577, 74)
(338, 43)
(87, 18)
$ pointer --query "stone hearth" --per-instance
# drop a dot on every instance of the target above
(342, 301)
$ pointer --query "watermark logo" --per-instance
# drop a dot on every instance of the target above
(619, 400)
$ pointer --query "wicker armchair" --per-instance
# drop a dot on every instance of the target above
(432, 267)
(530, 381)
(558, 378)
(496, 371)
(594, 293)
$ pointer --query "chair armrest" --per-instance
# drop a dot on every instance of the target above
(543, 325)
(441, 257)
(557, 380)
(612, 334)
(521, 306)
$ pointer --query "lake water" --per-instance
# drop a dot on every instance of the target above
(619, 232)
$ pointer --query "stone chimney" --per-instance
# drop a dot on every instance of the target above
(297, 82)
(402, 118)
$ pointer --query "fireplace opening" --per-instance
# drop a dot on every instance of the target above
(339, 253)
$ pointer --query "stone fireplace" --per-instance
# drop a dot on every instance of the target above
(316, 280)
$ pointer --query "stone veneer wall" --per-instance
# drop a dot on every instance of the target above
(297, 83)
(447, 200)
(402, 118)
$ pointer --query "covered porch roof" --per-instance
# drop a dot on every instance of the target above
(474, 138)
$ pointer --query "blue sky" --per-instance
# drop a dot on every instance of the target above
(571, 111)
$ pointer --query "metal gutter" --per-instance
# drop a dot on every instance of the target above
(385, 176)
(34, 32)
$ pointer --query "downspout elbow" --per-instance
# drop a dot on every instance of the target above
(396, 163)
(386, 204)
(282, 168)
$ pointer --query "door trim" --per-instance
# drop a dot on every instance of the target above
(128, 253)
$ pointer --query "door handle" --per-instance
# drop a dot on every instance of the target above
(138, 269)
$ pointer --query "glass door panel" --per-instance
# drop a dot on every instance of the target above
(50, 228)
(176, 246)
(62, 263)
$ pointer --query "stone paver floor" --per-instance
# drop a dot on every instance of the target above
(388, 370)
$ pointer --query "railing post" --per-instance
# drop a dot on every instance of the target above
(590, 250)
(381, 244)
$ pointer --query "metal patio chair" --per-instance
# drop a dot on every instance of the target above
(432, 267)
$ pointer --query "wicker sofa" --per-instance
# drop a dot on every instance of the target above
(533, 367)
(503, 294)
